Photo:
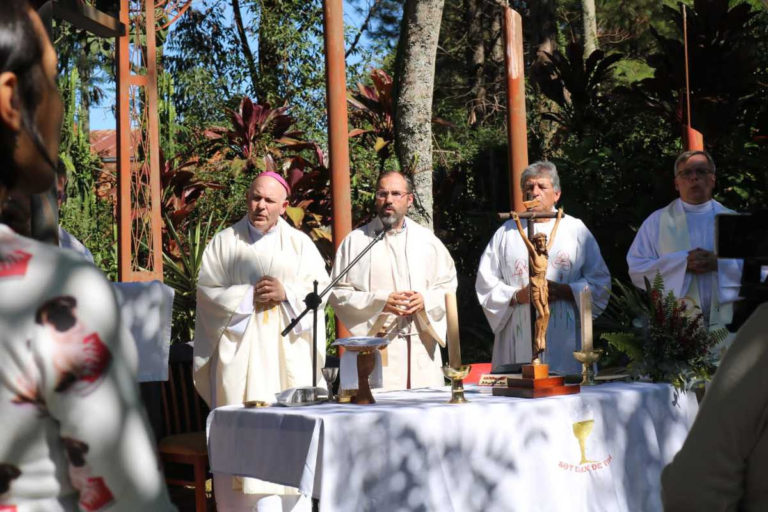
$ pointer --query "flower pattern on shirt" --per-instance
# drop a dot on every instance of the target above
(94, 493)
(63, 386)
(81, 358)
(14, 263)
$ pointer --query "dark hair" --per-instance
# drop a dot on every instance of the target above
(20, 53)
(408, 181)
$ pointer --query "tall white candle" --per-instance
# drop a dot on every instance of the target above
(452, 319)
(585, 298)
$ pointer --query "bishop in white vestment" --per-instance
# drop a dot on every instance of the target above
(677, 242)
(398, 289)
(575, 263)
(252, 280)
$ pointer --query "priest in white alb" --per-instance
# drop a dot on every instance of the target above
(677, 241)
(253, 278)
(397, 290)
(574, 264)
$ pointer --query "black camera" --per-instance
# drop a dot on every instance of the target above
(745, 236)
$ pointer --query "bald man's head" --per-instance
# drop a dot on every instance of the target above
(267, 201)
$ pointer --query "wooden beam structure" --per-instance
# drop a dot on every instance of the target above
(140, 252)
(87, 18)
(138, 147)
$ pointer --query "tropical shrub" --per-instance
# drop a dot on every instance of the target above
(664, 338)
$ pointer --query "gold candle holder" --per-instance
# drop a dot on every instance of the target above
(587, 358)
(457, 376)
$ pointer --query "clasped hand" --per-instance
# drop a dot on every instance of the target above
(268, 291)
(404, 303)
(556, 291)
(701, 261)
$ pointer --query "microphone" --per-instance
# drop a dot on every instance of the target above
(312, 300)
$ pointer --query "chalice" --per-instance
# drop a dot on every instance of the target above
(587, 358)
(330, 375)
(457, 376)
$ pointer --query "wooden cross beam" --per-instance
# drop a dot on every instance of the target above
(528, 215)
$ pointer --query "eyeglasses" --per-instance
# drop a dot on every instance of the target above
(699, 172)
(396, 194)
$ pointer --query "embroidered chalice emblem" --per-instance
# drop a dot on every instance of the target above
(582, 429)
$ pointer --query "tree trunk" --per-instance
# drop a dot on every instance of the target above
(475, 61)
(417, 51)
(497, 38)
(269, 55)
(247, 54)
(84, 114)
(543, 33)
(590, 27)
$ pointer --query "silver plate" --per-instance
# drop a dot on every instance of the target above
(361, 342)
(300, 404)
(301, 396)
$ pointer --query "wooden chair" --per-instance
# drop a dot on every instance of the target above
(183, 438)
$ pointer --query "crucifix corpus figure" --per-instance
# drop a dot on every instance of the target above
(538, 250)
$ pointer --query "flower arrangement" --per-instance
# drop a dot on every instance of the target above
(664, 338)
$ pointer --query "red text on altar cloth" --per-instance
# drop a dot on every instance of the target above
(586, 467)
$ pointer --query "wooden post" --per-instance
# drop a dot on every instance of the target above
(153, 153)
(693, 140)
(123, 147)
(516, 121)
(338, 141)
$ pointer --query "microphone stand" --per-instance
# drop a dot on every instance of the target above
(313, 301)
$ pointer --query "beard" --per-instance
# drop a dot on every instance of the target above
(389, 219)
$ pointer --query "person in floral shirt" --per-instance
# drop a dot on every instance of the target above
(74, 433)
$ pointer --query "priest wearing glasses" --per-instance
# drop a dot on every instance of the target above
(677, 241)
(397, 290)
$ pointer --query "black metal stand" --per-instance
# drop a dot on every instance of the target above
(313, 301)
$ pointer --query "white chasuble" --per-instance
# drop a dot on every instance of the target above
(413, 259)
(574, 259)
(236, 359)
(661, 246)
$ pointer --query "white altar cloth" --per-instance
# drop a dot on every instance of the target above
(146, 309)
(411, 451)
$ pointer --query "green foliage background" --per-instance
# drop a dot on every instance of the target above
(614, 145)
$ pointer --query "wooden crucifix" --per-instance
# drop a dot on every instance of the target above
(538, 258)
